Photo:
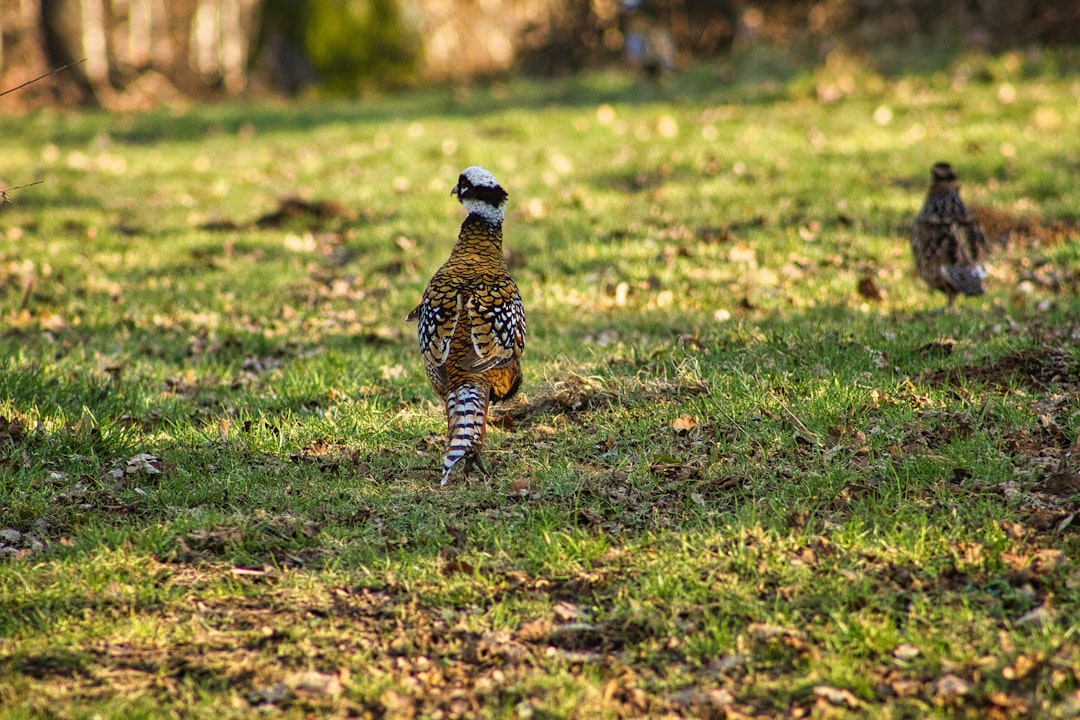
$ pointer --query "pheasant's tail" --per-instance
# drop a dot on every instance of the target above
(966, 280)
(466, 416)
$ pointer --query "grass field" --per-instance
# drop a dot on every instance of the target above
(753, 473)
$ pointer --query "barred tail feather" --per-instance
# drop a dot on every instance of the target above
(466, 414)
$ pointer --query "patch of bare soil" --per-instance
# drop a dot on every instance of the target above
(12, 431)
(292, 210)
(246, 646)
(280, 540)
(331, 458)
(1025, 231)
(575, 396)
(1046, 455)
(1048, 463)
(1035, 369)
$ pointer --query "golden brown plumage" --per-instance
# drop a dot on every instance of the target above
(471, 322)
(947, 241)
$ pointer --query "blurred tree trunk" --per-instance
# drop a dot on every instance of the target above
(221, 34)
(141, 53)
(133, 53)
(61, 27)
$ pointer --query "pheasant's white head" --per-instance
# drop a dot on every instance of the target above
(481, 194)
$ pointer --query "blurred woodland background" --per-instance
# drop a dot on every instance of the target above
(142, 53)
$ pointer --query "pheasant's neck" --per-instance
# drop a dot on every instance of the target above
(491, 214)
(477, 232)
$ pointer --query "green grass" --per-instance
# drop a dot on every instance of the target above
(735, 487)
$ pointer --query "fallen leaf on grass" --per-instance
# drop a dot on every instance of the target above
(146, 463)
(534, 630)
(717, 697)
(565, 611)
(768, 631)
(463, 567)
(503, 422)
(683, 424)
(1014, 530)
(905, 687)
(951, 686)
(669, 467)
(1047, 559)
(397, 705)
(837, 696)
(905, 652)
(1037, 616)
(1042, 562)
(13, 430)
(743, 254)
(586, 516)
(314, 683)
(269, 695)
(141, 464)
(1014, 706)
(970, 553)
(393, 372)
(1022, 666)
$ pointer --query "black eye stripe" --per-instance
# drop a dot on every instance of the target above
(493, 196)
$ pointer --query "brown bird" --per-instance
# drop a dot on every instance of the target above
(472, 322)
(946, 239)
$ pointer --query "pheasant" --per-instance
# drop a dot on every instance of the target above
(472, 322)
(946, 239)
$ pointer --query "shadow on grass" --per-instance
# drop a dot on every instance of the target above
(614, 462)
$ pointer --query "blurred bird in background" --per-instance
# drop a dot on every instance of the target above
(947, 241)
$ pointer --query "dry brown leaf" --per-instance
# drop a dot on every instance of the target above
(905, 652)
(905, 688)
(565, 611)
(315, 683)
(1047, 559)
(1022, 666)
(463, 567)
(743, 254)
(1009, 702)
(684, 424)
(534, 630)
(717, 697)
(971, 553)
(1016, 561)
(951, 686)
(1014, 530)
(1040, 615)
(768, 631)
(397, 706)
(837, 696)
